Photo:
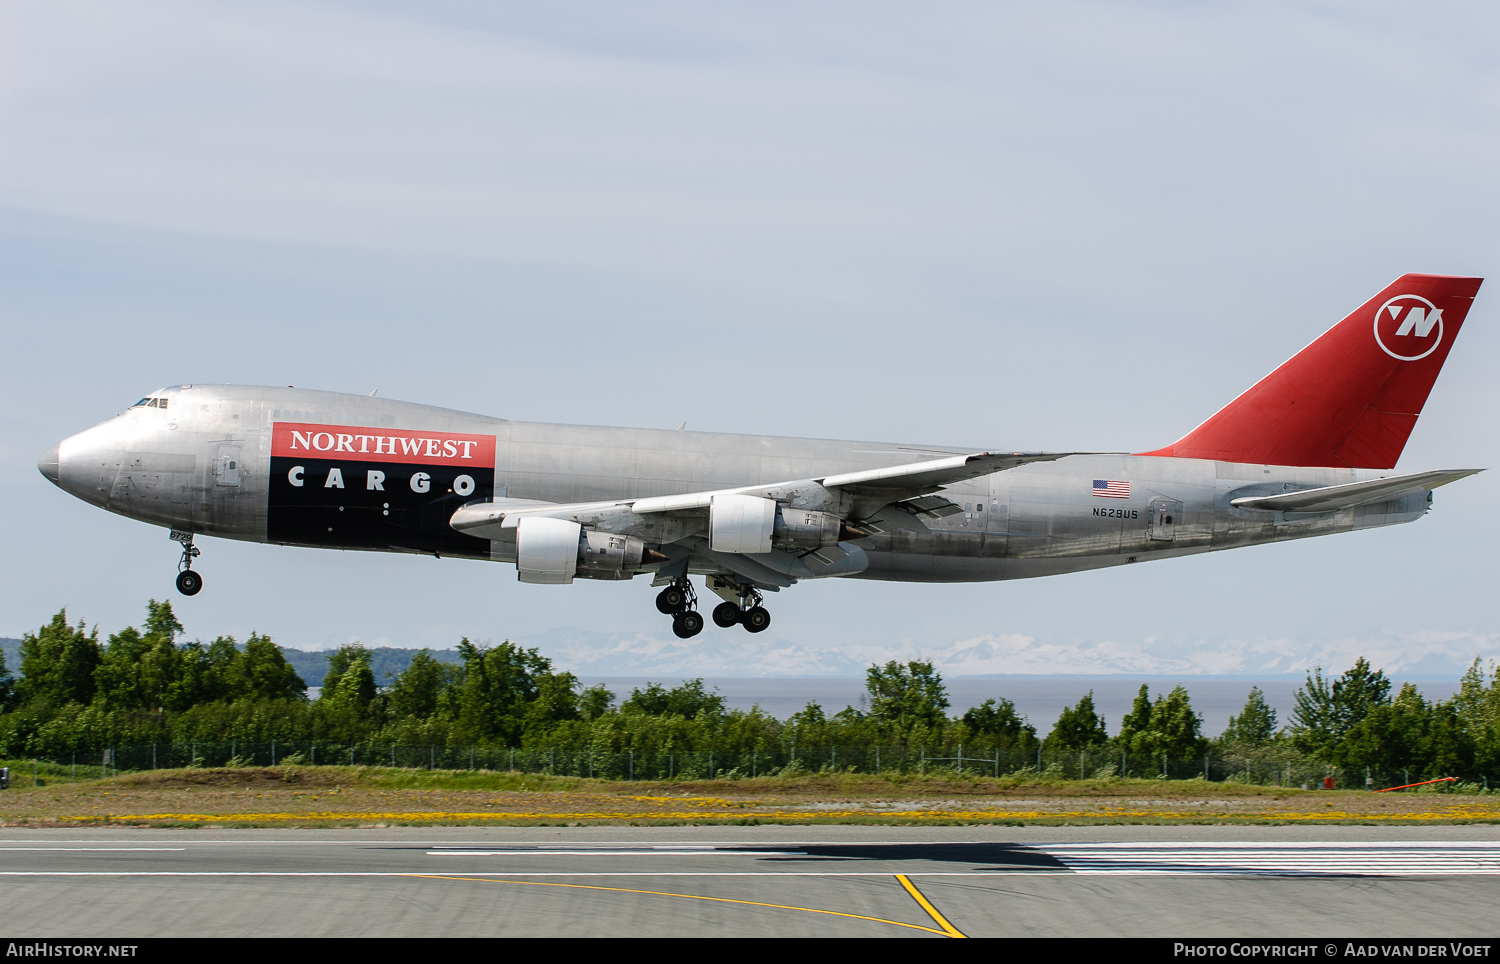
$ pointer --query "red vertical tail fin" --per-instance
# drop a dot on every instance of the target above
(1350, 398)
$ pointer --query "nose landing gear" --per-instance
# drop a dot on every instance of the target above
(189, 583)
(681, 603)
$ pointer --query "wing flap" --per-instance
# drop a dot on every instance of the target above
(1330, 498)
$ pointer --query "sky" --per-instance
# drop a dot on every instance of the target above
(1064, 226)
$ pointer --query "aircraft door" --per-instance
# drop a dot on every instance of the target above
(1165, 514)
(997, 516)
(227, 464)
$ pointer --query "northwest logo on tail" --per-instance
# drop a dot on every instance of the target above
(1408, 327)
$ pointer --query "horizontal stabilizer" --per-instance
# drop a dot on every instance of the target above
(1330, 498)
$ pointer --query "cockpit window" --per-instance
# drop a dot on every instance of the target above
(149, 402)
(142, 403)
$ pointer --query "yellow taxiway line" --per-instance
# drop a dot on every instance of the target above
(948, 929)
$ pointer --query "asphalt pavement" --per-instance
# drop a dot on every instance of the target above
(812, 881)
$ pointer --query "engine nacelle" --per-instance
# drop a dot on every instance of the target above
(604, 555)
(554, 551)
(547, 550)
(741, 523)
(806, 528)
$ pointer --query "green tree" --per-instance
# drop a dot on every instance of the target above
(141, 670)
(7, 685)
(1137, 722)
(419, 692)
(1255, 725)
(1176, 730)
(1389, 737)
(261, 672)
(1000, 721)
(690, 700)
(57, 665)
(350, 680)
(906, 694)
(1325, 712)
(506, 692)
(1078, 728)
(595, 701)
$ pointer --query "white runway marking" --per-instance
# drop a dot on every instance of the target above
(1280, 860)
(70, 850)
(618, 852)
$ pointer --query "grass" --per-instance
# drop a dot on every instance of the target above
(382, 796)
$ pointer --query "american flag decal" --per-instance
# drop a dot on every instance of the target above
(1110, 489)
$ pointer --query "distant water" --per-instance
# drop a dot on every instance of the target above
(1039, 698)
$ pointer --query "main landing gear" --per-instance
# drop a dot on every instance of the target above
(748, 611)
(189, 583)
(680, 602)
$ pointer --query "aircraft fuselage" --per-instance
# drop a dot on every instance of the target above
(329, 470)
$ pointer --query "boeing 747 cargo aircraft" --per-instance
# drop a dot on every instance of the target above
(1308, 450)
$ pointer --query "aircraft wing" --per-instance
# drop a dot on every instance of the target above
(898, 496)
(1330, 498)
(897, 481)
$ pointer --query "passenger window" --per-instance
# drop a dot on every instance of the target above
(979, 507)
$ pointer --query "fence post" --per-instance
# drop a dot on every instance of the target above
(1039, 758)
(75, 768)
(632, 764)
(753, 754)
(432, 757)
(471, 758)
(512, 759)
(153, 754)
(34, 781)
(877, 760)
(351, 754)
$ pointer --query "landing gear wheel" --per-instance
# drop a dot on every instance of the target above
(726, 614)
(687, 624)
(189, 582)
(671, 600)
(756, 619)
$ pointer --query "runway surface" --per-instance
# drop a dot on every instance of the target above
(755, 881)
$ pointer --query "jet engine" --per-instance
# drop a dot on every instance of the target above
(555, 551)
(750, 524)
(806, 528)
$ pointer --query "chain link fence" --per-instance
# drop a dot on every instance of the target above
(609, 764)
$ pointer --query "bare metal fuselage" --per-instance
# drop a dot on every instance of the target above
(204, 464)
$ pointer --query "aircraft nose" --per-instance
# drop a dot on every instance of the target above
(47, 465)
